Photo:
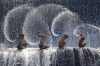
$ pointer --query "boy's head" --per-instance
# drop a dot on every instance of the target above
(65, 36)
(43, 36)
(21, 35)
(83, 38)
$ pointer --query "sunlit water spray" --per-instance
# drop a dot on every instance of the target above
(39, 21)
(50, 11)
(34, 26)
(90, 32)
(50, 57)
(65, 22)
(14, 21)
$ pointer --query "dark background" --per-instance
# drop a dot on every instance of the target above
(88, 10)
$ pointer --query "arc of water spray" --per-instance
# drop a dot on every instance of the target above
(88, 38)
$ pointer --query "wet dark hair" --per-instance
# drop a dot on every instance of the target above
(21, 35)
(83, 38)
(65, 35)
(41, 35)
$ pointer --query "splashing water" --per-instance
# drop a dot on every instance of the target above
(50, 57)
(35, 25)
(38, 21)
(65, 22)
(90, 32)
(97, 63)
(50, 11)
(14, 21)
(43, 19)
(45, 15)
